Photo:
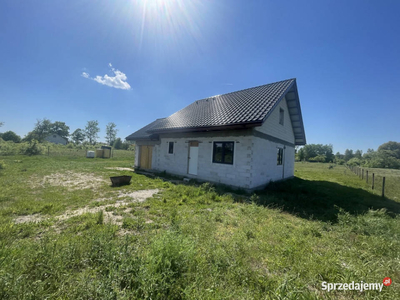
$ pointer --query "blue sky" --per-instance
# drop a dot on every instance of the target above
(161, 55)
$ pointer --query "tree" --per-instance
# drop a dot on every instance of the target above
(348, 154)
(78, 136)
(390, 148)
(11, 136)
(300, 154)
(118, 143)
(59, 128)
(358, 154)
(30, 136)
(91, 131)
(42, 129)
(311, 151)
(111, 133)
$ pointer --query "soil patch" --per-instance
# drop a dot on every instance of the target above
(120, 169)
(71, 180)
(109, 217)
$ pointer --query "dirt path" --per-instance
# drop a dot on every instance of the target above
(109, 217)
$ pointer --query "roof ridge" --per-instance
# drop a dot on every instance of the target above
(294, 78)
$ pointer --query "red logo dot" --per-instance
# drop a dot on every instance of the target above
(387, 281)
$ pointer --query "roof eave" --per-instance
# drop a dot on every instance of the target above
(209, 128)
(293, 85)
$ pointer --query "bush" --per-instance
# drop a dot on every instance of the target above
(8, 148)
(340, 161)
(318, 158)
(34, 148)
(354, 162)
(2, 165)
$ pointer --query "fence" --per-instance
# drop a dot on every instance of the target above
(385, 183)
(75, 153)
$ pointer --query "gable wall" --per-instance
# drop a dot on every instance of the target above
(272, 127)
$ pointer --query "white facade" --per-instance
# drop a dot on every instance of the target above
(56, 139)
(255, 161)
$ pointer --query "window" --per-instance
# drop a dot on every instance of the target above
(223, 152)
(281, 116)
(279, 156)
(171, 147)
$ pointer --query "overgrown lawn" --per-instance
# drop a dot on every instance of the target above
(190, 241)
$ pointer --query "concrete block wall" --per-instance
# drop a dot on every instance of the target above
(266, 169)
(239, 174)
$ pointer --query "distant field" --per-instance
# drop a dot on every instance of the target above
(65, 233)
(392, 181)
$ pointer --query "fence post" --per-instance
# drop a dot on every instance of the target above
(362, 174)
(48, 150)
(373, 180)
(383, 187)
(367, 176)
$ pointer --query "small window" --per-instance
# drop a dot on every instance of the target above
(223, 152)
(279, 156)
(281, 116)
(171, 147)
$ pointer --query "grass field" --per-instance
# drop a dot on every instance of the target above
(65, 233)
(392, 182)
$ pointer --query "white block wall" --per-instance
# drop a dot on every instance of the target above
(238, 174)
(265, 168)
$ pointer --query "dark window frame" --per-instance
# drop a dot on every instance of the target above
(281, 116)
(170, 149)
(223, 152)
(279, 157)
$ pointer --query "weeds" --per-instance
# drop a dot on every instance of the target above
(194, 242)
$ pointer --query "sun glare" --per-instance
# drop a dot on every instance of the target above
(170, 23)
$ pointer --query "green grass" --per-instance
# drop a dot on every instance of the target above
(392, 182)
(193, 241)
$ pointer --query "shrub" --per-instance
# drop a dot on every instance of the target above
(34, 148)
(8, 148)
(318, 158)
(354, 162)
(340, 161)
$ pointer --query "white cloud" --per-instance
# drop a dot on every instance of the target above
(118, 81)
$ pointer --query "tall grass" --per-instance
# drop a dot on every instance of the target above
(195, 242)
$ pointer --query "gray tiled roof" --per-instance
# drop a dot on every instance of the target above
(246, 106)
(143, 132)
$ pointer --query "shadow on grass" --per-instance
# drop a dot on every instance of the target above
(322, 200)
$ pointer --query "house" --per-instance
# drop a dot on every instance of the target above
(244, 139)
(56, 139)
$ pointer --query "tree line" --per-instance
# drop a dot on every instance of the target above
(89, 134)
(387, 155)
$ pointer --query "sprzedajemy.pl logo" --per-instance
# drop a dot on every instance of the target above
(356, 286)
